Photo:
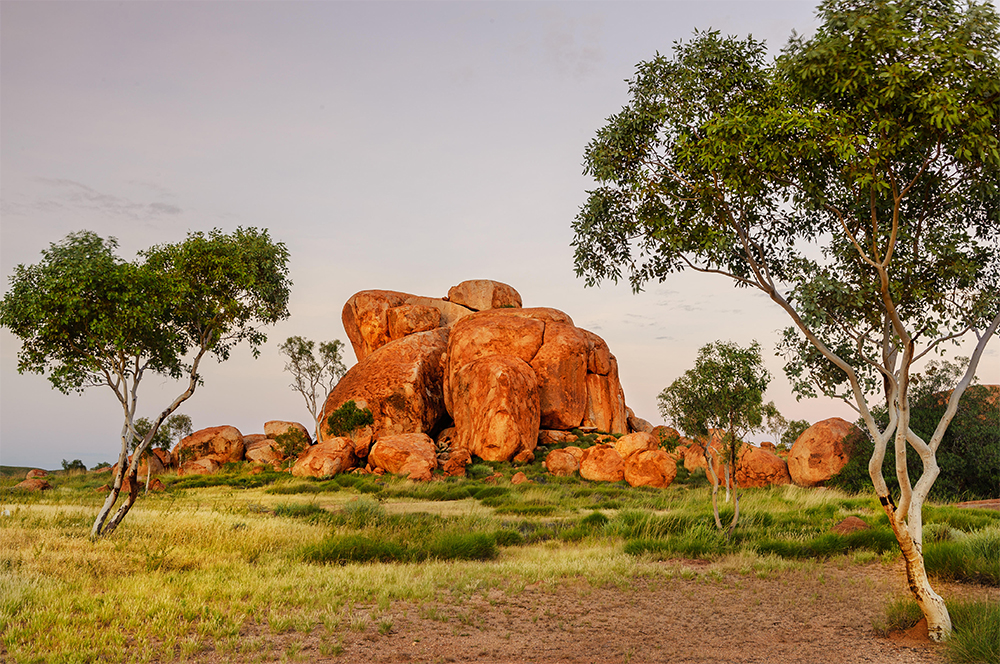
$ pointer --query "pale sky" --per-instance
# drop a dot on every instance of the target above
(404, 146)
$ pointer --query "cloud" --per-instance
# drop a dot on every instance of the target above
(59, 193)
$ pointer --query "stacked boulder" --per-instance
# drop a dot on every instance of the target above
(476, 367)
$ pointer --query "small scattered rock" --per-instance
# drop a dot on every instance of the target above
(34, 484)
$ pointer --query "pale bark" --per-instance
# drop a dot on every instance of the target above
(710, 467)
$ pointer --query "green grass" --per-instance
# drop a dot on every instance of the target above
(976, 628)
(191, 568)
(973, 557)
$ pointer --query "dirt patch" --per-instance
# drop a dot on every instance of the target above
(991, 504)
(700, 615)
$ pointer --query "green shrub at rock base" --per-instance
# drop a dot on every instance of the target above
(347, 418)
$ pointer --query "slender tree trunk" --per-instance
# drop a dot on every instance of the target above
(931, 604)
(710, 466)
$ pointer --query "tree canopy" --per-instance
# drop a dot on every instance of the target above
(854, 180)
(315, 377)
(87, 318)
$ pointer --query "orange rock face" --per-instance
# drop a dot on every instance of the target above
(495, 407)
(654, 468)
(36, 473)
(561, 463)
(34, 484)
(561, 367)
(205, 466)
(602, 463)
(275, 428)
(605, 403)
(456, 463)
(409, 453)
(760, 467)
(265, 451)
(325, 459)
(636, 442)
(821, 451)
(221, 444)
(366, 318)
(636, 423)
(553, 437)
(400, 383)
(481, 294)
(490, 333)
(407, 319)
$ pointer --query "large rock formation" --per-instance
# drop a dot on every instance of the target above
(602, 463)
(480, 294)
(495, 407)
(411, 454)
(821, 451)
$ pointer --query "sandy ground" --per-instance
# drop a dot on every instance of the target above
(822, 616)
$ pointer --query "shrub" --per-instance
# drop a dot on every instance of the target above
(291, 443)
(347, 418)
(977, 632)
(476, 471)
(354, 549)
(462, 546)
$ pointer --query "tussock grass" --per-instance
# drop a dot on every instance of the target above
(973, 557)
(976, 625)
(191, 568)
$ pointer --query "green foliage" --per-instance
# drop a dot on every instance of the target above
(291, 443)
(87, 318)
(854, 182)
(75, 464)
(724, 390)
(792, 433)
(969, 455)
(171, 430)
(347, 418)
(976, 638)
(973, 558)
(977, 632)
(314, 378)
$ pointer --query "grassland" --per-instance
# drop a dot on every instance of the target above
(221, 564)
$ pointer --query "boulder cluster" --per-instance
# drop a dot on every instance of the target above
(473, 373)
(477, 374)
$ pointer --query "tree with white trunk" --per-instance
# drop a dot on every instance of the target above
(854, 181)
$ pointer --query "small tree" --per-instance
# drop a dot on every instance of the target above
(314, 377)
(74, 465)
(795, 429)
(775, 423)
(724, 391)
(87, 318)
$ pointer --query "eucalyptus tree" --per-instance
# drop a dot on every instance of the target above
(724, 391)
(87, 318)
(853, 180)
(315, 377)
